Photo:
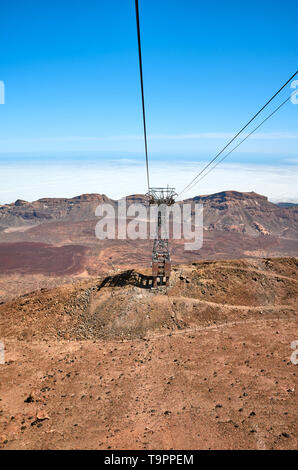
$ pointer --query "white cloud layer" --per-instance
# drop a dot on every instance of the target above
(33, 181)
(191, 136)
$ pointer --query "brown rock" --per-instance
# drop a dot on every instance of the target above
(41, 415)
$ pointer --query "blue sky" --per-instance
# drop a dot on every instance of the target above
(72, 93)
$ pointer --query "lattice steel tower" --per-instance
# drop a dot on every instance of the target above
(161, 259)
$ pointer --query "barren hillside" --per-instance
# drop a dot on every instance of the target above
(231, 211)
(108, 363)
(50, 242)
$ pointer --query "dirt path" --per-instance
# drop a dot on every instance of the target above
(110, 365)
(186, 390)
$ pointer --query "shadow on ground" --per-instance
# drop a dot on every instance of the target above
(129, 277)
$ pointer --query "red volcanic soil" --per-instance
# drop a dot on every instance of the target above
(109, 364)
(40, 258)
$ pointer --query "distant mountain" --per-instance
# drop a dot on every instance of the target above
(287, 204)
(52, 240)
(44, 210)
(249, 213)
(229, 211)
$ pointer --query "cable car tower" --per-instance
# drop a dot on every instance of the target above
(161, 258)
(162, 197)
(165, 197)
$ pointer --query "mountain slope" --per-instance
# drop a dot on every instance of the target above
(119, 306)
(248, 213)
(110, 364)
(46, 210)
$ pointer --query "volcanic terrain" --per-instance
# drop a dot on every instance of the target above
(108, 363)
(50, 242)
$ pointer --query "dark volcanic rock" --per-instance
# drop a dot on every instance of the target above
(249, 213)
(227, 211)
(50, 210)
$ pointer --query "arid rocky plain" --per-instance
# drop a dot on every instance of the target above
(94, 359)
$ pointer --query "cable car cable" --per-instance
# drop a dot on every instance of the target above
(238, 133)
(142, 90)
(246, 137)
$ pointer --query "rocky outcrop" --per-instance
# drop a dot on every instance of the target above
(229, 211)
(51, 209)
(250, 212)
